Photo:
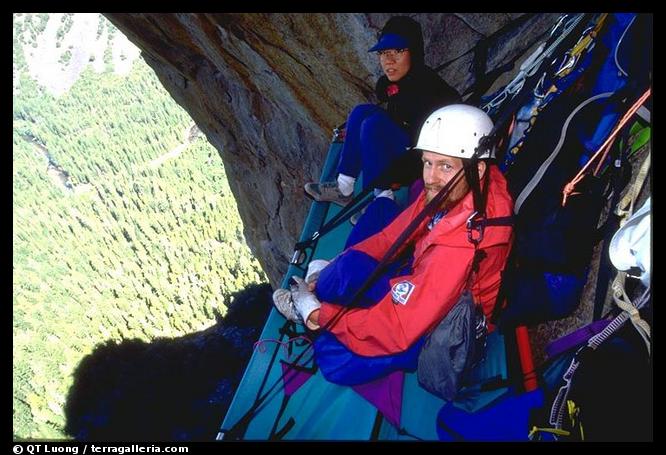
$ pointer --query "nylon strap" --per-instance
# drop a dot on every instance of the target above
(626, 206)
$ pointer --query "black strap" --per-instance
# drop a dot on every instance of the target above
(497, 221)
(275, 434)
(359, 201)
(401, 171)
(479, 255)
(376, 426)
(454, 434)
(428, 210)
(472, 177)
(403, 432)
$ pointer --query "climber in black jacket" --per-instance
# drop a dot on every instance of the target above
(375, 136)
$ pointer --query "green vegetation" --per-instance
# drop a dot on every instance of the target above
(108, 50)
(67, 20)
(43, 19)
(108, 58)
(111, 30)
(65, 57)
(122, 228)
(100, 26)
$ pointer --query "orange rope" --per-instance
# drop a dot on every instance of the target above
(603, 158)
(569, 187)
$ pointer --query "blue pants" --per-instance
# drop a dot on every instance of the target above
(372, 141)
(337, 284)
(378, 214)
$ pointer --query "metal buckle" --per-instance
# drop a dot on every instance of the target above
(567, 65)
(298, 258)
(339, 134)
(470, 228)
(538, 88)
(300, 254)
(470, 219)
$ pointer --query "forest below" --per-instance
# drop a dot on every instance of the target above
(124, 226)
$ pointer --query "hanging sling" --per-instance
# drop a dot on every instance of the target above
(455, 346)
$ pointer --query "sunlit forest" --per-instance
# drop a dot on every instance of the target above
(124, 226)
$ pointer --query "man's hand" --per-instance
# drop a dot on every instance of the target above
(314, 269)
(305, 302)
(313, 320)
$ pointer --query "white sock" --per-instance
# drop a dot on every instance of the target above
(346, 184)
(384, 193)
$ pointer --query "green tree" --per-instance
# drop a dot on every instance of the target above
(130, 249)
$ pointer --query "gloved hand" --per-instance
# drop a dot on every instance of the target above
(304, 300)
(314, 270)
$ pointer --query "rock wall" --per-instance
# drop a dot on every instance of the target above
(267, 89)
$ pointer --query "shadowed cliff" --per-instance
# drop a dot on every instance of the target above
(267, 90)
(170, 389)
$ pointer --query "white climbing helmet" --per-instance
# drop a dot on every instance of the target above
(455, 130)
(631, 245)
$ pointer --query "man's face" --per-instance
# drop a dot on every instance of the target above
(437, 171)
(395, 63)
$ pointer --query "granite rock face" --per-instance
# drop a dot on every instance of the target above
(267, 90)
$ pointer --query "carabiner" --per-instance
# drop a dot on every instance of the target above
(567, 65)
(471, 227)
(298, 258)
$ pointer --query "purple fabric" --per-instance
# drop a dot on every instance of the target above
(576, 338)
(293, 378)
(414, 191)
(385, 394)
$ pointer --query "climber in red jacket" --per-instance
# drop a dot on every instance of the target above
(406, 303)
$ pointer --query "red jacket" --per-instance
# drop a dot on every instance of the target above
(442, 261)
